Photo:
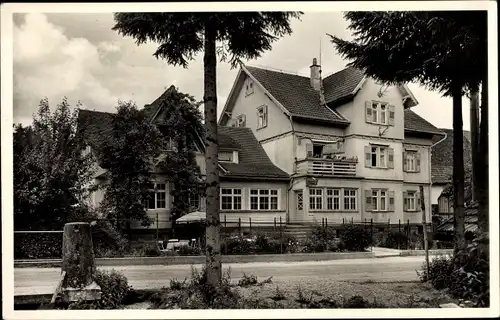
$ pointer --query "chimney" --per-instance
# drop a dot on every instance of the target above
(315, 75)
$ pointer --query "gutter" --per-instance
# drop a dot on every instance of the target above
(430, 168)
(294, 169)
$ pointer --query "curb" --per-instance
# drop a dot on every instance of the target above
(180, 260)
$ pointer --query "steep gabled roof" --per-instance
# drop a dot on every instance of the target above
(253, 161)
(97, 126)
(296, 95)
(415, 123)
(442, 157)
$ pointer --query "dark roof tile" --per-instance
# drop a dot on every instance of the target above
(415, 123)
(295, 93)
(442, 157)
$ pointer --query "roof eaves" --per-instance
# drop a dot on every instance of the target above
(318, 119)
(359, 85)
(231, 93)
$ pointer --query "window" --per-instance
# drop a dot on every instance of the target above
(300, 201)
(379, 113)
(262, 117)
(230, 199)
(350, 199)
(379, 200)
(264, 199)
(378, 156)
(194, 201)
(248, 87)
(157, 197)
(444, 205)
(241, 121)
(333, 199)
(411, 161)
(411, 201)
(317, 150)
(315, 199)
(225, 156)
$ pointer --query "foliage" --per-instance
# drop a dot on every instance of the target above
(432, 48)
(237, 245)
(247, 281)
(189, 251)
(180, 35)
(114, 290)
(52, 178)
(465, 275)
(355, 238)
(37, 245)
(181, 126)
(197, 293)
(129, 154)
(396, 240)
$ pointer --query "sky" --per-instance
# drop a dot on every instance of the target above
(77, 55)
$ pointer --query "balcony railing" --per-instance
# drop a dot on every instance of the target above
(339, 166)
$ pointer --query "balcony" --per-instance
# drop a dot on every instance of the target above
(337, 166)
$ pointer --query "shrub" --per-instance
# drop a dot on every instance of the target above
(198, 294)
(395, 240)
(355, 238)
(189, 251)
(247, 281)
(465, 276)
(114, 290)
(237, 245)
(37, 245)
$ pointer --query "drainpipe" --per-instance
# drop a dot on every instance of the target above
(294, 168)
(430, 173)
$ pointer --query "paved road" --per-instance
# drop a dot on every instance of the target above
(43, 280)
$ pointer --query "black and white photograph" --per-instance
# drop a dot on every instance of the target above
(333, 159)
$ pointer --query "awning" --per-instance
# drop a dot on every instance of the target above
(196, 216)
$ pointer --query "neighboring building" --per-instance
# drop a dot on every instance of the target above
(442, 170)
(354, 149)
(251, 185)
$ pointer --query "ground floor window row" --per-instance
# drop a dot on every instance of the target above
(346, 199)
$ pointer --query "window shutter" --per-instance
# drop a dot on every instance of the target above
(391, 115)
(391, 201)
(265, 116)
(405, 167)
(368, 157)
(368, 200)
(419, 204)
(390, 162)
(417, 161)
(368, 112)
(309, 149)
(405, 201)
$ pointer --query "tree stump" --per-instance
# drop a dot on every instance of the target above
(79, 263)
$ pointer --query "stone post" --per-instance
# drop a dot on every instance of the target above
(78, 262)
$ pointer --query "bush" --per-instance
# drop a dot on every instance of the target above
(189, 251)
(38, 245)
(237, 245)
(247, 281)
(395, 240)
(114, 290)
(465, 276)
(198, 294)
(355, 238)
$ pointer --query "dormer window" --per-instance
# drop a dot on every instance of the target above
(248, 87)
(228, 156)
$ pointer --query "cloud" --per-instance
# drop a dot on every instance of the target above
(78, 55)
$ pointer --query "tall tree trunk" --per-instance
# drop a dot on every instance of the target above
(458, 170)
(474, 135)
(213, 259)
(483, 174)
